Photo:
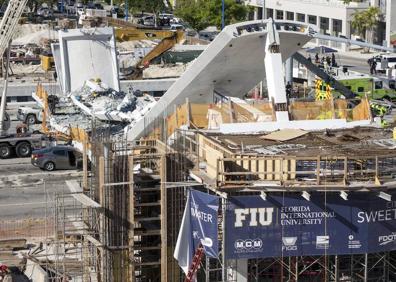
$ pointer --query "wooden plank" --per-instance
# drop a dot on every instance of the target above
(164, 223)
(12, 244)
(131, 219)
(188, 112)
(85, 166)
(77, 193)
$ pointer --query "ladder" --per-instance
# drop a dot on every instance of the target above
(9, 21)
(195, 264)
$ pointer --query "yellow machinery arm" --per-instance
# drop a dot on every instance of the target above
(126, 31)
(129, 34)
(163, 46)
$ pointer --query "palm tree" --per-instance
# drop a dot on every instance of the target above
(365, 21)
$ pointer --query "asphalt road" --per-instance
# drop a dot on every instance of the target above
(27, 192)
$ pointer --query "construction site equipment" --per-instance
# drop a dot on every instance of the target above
(22, 142)
(7, 27)
(169, 40)
(126, 31)
(47, 62)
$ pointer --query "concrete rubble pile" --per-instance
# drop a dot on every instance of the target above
(96, 99)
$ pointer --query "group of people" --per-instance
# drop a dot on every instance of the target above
(326, 61)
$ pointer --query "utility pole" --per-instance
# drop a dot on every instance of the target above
(222, 14)
(264, 16)
(126, 10)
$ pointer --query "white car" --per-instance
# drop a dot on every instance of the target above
(30, 115)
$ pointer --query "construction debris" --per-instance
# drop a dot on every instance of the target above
(96, 99)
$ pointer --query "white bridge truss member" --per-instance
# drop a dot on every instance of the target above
(274, 74)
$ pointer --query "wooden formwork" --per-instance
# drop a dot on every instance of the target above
(330, 171)
(325, 109)
(362, 111)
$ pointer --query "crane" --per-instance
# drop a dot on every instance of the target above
(7, 28)
(22, 142)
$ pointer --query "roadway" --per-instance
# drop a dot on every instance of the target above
(27, 191)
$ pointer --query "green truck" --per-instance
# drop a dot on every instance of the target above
(370, 86)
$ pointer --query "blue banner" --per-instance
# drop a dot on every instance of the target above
(199, 226)
(293, 226)
(204, 209)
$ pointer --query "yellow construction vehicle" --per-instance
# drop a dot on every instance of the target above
(169, 39)
(47, 62)
(125, 31)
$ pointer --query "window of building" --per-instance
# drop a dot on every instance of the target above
(260, 13)
(312, 19)
(279, 15)
(270, 13)
(289, 16)
(300, 17)
(324, 24)
(337, 27)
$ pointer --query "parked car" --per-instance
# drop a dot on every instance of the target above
(57, 157)
(148, 20)
(175, 27)
(30, 115)
(45, 12)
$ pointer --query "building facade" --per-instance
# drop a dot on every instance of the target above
(332, 17)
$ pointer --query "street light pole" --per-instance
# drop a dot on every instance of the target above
(222, 14)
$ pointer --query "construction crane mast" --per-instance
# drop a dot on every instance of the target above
(22, 142)
(7, 27)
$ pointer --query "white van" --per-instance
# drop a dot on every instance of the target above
(385, 61)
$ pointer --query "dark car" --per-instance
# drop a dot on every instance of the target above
(57, 157)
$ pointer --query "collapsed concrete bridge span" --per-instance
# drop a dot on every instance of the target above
(231, 65)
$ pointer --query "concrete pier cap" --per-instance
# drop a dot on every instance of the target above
(231, 65)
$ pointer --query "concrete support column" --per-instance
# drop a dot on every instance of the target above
(331, 27)
(255, 13)
(346, 30)
(388, 26)
(242, 270)
(289, 70)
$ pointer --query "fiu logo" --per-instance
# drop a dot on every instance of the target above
(256, 216)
